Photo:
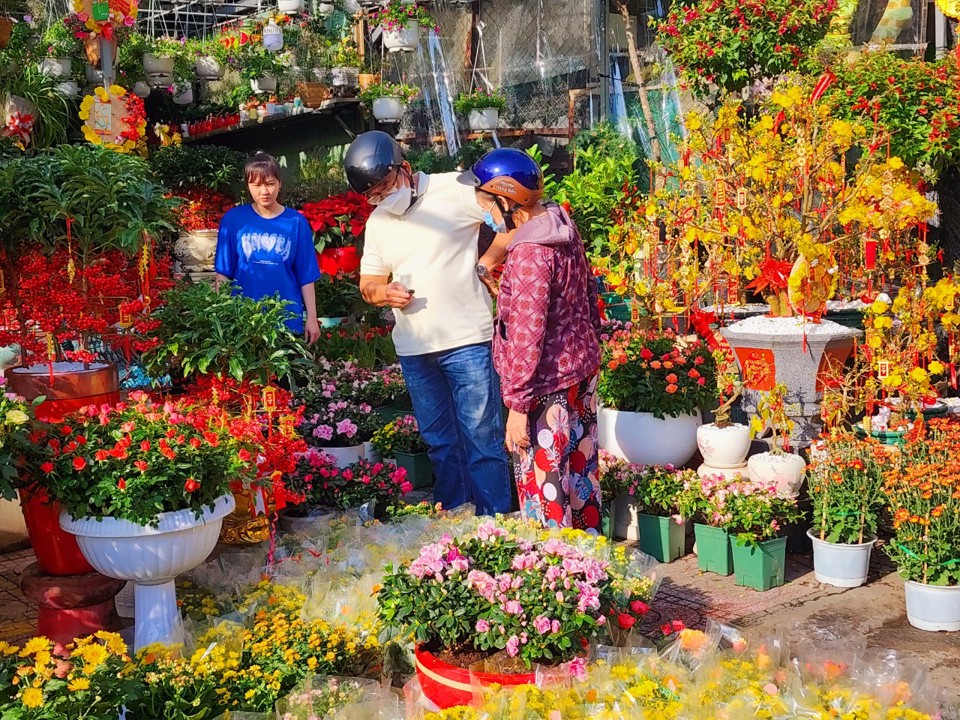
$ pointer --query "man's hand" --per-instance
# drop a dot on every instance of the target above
(397, 296)
(517, 435)
(311, 331)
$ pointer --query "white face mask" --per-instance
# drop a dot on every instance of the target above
(397, 202)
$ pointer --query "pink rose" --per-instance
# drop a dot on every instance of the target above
(513, 646)
(482, 626)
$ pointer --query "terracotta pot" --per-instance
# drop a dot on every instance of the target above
(367, 79)
(337, 260)
(448, 686)
(6, 29)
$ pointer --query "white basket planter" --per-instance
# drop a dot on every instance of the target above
(56, 67)
(344, 456)
(403, 39)
(265, 84)
(151, 558)
(196, 250)
(841, 564)
(208, 68)
(784, 471)
(639, 437)
(932, 607)
(290, 6)
(68, 88)
(155, 65)
(183, 94)
(484, 120)
(725, 447)
(141, 89)
(389, 109)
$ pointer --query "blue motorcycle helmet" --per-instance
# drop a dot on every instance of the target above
(507, 173)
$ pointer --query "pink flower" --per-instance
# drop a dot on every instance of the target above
(513, 646)
(555, 626)
(513, 608)
(525, 561)
(589, 598)
(578, 668)
(323, 432)
(346, 427)
(482, 626)
(541, 624)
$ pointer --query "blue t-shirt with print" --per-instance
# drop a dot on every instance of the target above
(268, 256)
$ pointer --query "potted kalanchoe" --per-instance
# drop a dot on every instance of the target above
(145, 487)
(389, 101)
(482, 108)
(401, 23)
(778, 466)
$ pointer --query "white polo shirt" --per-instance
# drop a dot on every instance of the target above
(432, 250)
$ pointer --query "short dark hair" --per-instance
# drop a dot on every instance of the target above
(261, 167)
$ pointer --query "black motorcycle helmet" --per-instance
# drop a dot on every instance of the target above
(369, 160)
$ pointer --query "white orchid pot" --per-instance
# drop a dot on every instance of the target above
(639, 437)
(784, 471)
(151, 558)
(724, 447)
(841, 564)
(183, 94)
(484, 120)
(934, 608)
(403, 39)
(56, 67)
(389, 109)
(265, 84)
(208, 68)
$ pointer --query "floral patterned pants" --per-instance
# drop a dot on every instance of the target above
(557, 479)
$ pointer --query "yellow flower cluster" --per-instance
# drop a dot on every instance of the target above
(112, 140)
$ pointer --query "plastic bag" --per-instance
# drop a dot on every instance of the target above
(320, 696)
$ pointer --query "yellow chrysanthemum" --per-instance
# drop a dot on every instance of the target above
(32, 698)
(79, 684)
(35, 645)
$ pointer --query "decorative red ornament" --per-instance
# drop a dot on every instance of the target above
(870, 253)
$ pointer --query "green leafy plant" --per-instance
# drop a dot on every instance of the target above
(345, 54)
(404, 93)
(321, 176)
(845, 479)
(193, 167)
(480, 99)
(164, 46)
(205, 330)
(758, 513)
(368, 346)
(732, 43)
(58, 41)
(51, 109)
(397, 14)
(16, 415)
(659, 373)
(772, 414)
(18, 45)
(129, 64)
(337, 296)
(255, 61)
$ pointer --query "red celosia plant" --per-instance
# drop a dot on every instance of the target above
(338, 220)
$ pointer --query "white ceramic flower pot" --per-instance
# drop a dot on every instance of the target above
(265, 84)
(370, 454)
(484, 120)
(344, 456)
(208, 68)
(183, 94)
(784, 471)
(734, 473)
(141, 89)
(196, 250)
(932, 607)
(389, 109)
(68, 88)
(154, 65)
(839, 564)
(151, 557)
(639, 437)
(403, 39)
(725, 447)
(290, 6)
(56, 67)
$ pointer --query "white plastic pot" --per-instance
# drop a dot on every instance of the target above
(840, 564)
(56, 67)
(290, 6)
(151, 557)
(389, 109)
(370, 454)
(403, 39)
(784, 471)
(344, 456)
(325, 8)
(155, 65)
(484, 120)
(141, 89)
(68, 88)
(933, 607)
(183, 94)
(208, 68)
(639, 437)
(196, 250)
(724, 447)
(265, 84)
(94, 76)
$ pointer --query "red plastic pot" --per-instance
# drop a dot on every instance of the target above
(337, 260)
(448, 686)
(66, 387)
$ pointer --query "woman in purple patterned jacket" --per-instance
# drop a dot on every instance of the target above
(546, 343)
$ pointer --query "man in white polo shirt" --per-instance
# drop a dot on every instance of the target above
(420, 258)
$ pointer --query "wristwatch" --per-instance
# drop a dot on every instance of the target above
(482, 271)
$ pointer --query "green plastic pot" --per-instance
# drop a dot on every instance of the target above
(760, 566)
(387, 413)
(616, 307)
(661, 537)
(608, 520)
(713, 549)
(419, 468)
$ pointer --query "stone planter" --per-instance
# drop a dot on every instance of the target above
(662, 538)
(724, 447)
(56, 67)
(196, 250)
(208, 68)
(159, 80)
(265, 84)
(784, 471)
(151, 558)
(639, 437)
(389, 109)
(344, 456)
(403, 39)
(760, 566)
(369, 453)
(483, 120)
(933, 608)
(841, 564)
(795, 353)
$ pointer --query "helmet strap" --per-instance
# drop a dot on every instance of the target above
(506, 211)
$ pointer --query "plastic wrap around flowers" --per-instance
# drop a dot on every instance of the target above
(133, 122)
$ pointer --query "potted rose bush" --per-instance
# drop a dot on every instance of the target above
(652, 386)
(145, 486)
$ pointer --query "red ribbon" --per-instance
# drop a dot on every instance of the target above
(825, 81)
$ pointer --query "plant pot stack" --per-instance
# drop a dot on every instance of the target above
(724, 450)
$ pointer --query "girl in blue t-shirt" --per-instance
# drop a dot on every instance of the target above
(267, 249)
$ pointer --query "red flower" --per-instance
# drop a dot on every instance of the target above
(646, 353)
(47, 468)
(693, 373)
(212, 438)
(671, 388)
(195, 443)
(140, 465)
(191, 485)
(82, 439)
(101, 455)
(639, 607)
(65, 430)
(666, 629)
(678, 626)
(671, 378)
(145, 446)
(121, 484)
(244, 455)
(79, 463)
(625, 621)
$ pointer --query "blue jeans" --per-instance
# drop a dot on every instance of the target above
(456, 400)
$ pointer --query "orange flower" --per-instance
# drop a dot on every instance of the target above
(671, 388)
(671, 378)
